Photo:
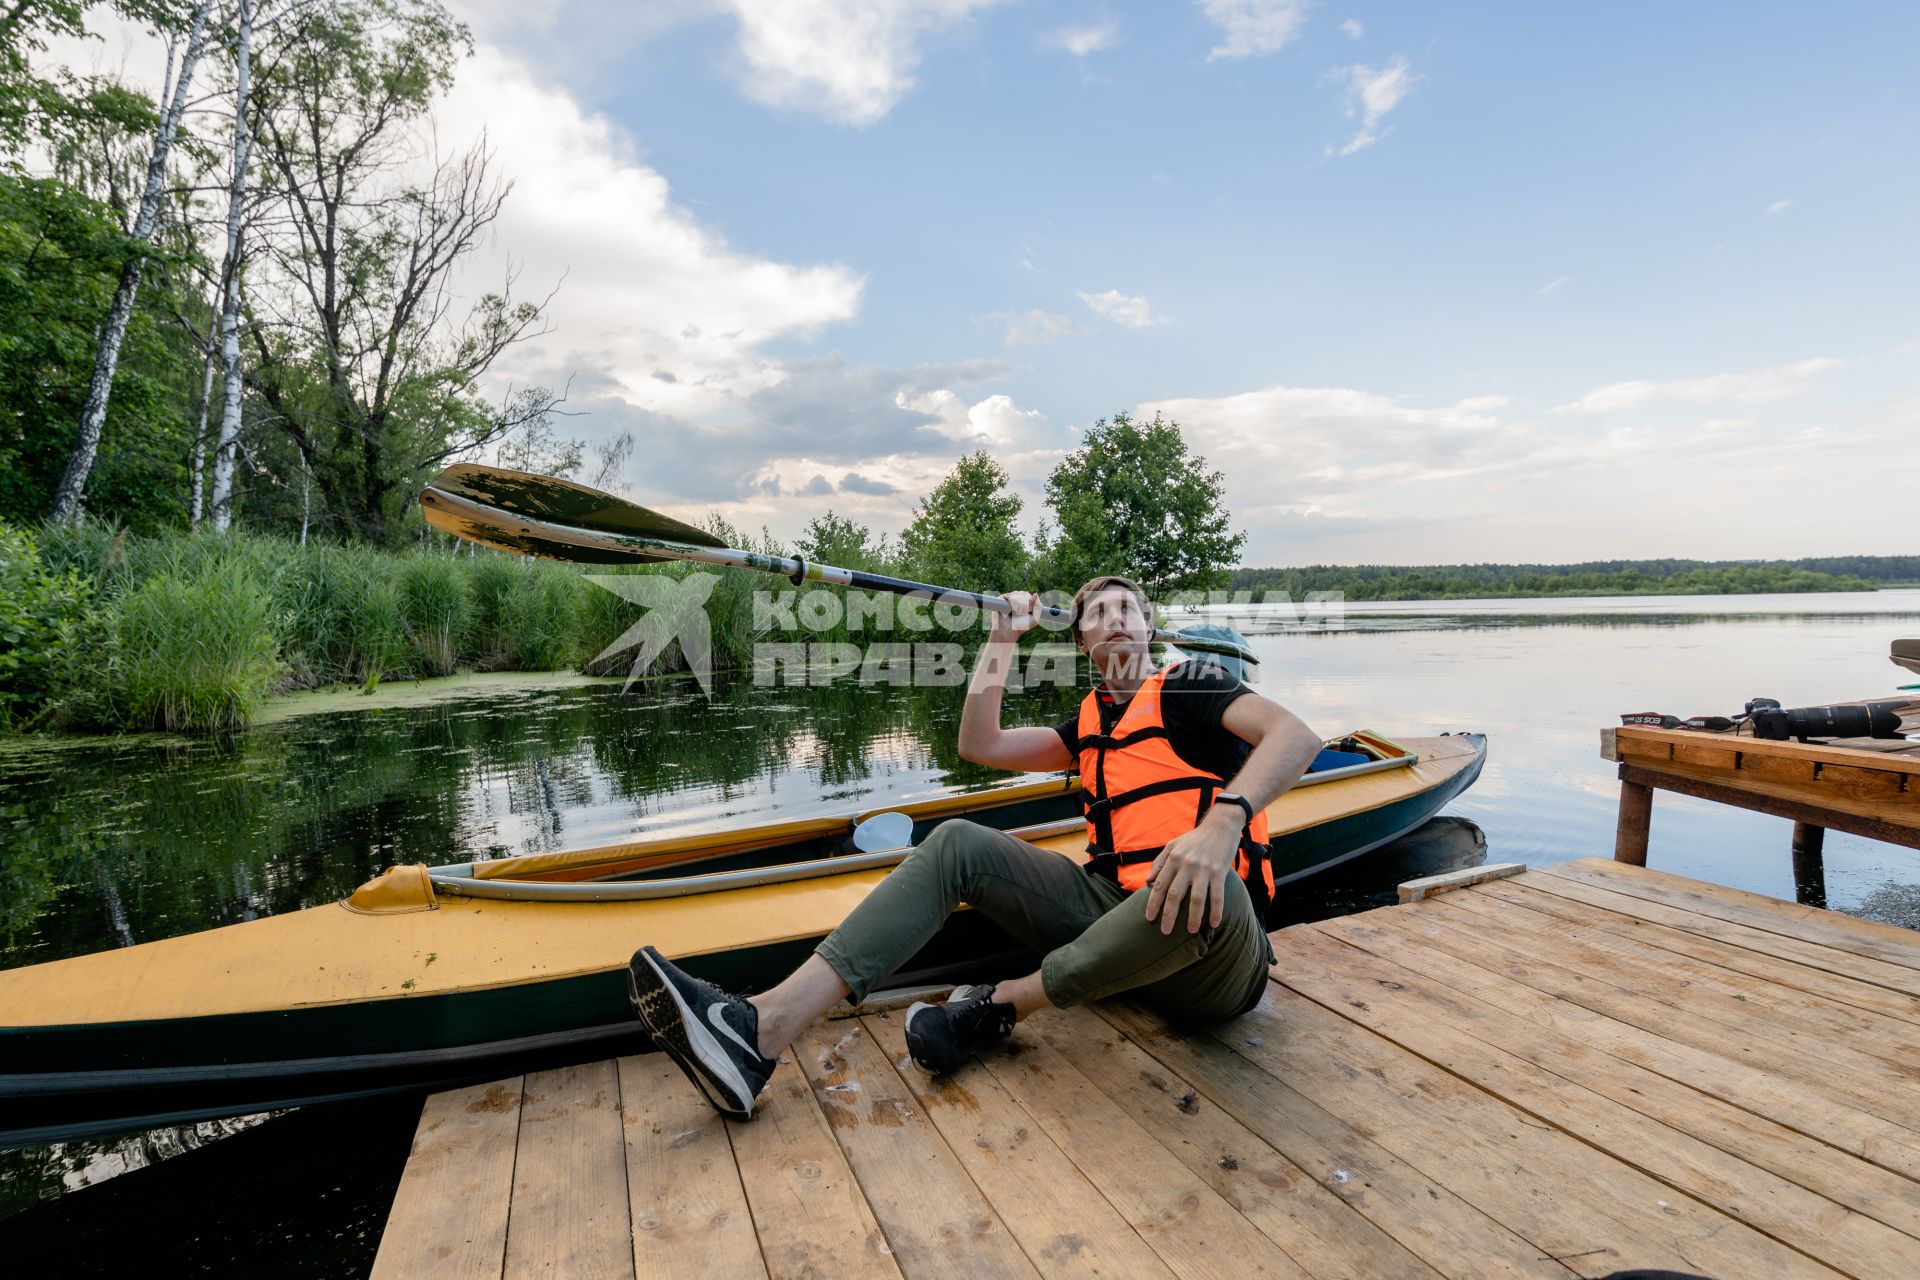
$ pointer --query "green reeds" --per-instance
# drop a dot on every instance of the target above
(189, 652)
(190, 631)
(437, 609)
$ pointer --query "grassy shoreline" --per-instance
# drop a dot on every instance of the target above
(199, 634)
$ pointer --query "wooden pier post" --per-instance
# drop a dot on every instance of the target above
(1636, 821)
(1809, 864)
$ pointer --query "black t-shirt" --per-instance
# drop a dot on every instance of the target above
(1192, 699)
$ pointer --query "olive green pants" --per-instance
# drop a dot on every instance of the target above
(1094, 935)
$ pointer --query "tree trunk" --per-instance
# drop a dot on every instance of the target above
(230, 307)
(198, 505)
(93, 414)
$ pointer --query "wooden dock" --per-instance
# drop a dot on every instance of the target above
(1582, 1069)
(1864, 786)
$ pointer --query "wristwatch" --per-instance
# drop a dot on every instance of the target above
(1234, 797)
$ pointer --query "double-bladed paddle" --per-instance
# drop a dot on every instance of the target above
(560, 520)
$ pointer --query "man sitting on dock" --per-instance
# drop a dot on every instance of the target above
(1179, 767)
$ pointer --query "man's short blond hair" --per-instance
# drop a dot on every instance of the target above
(1092, 588)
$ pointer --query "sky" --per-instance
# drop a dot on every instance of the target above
(1427, 283)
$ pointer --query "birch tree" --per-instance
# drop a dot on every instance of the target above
(67, 501)
(222, 504)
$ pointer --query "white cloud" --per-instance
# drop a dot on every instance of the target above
(1254, 28)
(1081, 41)
(1778, 206)
(1034, 328)
(848, 60)
(1354, 27)
(1551, 285)
(1371, 95)
(1319, 446)
(660, 304)
(1749, 387)
(1120, 308)
(1303, 465)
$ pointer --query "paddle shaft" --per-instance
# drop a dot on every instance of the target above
(456, 514)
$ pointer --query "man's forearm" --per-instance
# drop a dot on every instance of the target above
(980, 714)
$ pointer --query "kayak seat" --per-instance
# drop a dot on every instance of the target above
(1337, 760)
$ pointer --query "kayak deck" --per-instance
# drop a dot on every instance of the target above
(331, 955)
(1548, 1075)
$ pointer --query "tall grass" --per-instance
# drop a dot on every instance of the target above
(190, 652)
(437, 610)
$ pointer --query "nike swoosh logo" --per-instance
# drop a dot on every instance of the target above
(714, 1011)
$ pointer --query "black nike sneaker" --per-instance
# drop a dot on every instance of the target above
(942, 1036)
(710, 1035)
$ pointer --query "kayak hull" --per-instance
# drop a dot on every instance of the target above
(523, 986)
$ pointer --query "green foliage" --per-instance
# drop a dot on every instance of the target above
(38, 611)
(963, 533)
(1595, 578)
(438, 611)
(540, 615)
(1132, 500)
(838, 540)
(188, 653)
(61, 254)
(24, 30)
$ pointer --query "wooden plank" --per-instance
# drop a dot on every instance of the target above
(1804, 1024)
(1282, 1200)
(462, 1154)
(1807, 1159)
(1632, 747)
(1463, 1035)
(1648, 741)
(1883, 942)
(808, 1209)
(1191, 1228)
(1894, 814)
(1895, 979)
(1446, 881)
(1705, 755)
(690, 1216)
(1553, 1189)
(1423, 1214)
(569, 1215)
(936, 1221)
(1658, 940)
(1061, 1220)
(1847, 1128)
(1856, 783)
(1842, 1077)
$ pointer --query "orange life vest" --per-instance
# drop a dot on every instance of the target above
(1138, 794)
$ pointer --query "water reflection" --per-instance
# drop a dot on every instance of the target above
(134, 839)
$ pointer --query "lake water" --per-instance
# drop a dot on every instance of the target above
(113, 842)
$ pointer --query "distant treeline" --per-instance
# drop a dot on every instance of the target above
(1592, 578)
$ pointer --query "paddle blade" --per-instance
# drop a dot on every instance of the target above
(505, 534)
(1225, 647)
(563, 502)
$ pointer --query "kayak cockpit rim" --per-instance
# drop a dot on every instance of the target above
(459, 880)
